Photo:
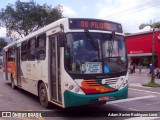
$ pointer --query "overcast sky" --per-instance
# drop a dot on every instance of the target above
(130, 13)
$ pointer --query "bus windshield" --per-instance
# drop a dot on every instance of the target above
(95, 53)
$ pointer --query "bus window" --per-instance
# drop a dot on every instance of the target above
(31, 49)
(41, 47)
(24, 52)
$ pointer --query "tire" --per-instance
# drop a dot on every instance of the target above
(42, 94)
(12, 83)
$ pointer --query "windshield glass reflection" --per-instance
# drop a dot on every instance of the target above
(94, 53)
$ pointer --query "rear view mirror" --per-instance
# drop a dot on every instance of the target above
(113, 36)
(62, 39)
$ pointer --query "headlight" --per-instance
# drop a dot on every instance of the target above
(123, 84)
(126, 81)
(122, 79)
(77, 89)
(71, 87)
(66, 84)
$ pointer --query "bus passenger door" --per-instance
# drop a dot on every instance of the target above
(6, 65)
(18, 66)
(55, 69)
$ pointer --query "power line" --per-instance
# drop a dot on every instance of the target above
(133, 12)
(136, 8)
(134, 26)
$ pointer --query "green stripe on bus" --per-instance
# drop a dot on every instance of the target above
(73, 99)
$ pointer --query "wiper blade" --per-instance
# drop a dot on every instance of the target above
(111, 44)
(92, 40)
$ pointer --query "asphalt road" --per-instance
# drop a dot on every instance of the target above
(140, 99)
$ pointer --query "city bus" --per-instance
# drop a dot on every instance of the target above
(70, 62)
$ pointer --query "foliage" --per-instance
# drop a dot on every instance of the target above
(152, 84)
(2, 44)
(26, 17)
(155, 25)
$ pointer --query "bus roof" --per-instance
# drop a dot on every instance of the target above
(71, 26)
(45, 28)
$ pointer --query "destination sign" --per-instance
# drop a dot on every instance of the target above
(92, 67)
(94, 24)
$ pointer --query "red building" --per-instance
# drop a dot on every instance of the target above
(139, 48)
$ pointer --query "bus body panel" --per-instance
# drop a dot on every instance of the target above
(32, 72)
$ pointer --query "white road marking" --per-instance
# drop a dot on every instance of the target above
(126, 107)
(139, 76)
(137, 85)
(133, 109)
(130, 99)
(145, 91)
(153, 103)
(142, 118)
(120, 106)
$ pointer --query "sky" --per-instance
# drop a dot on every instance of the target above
(130, 13)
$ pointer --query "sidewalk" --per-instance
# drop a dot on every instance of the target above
(143, 73)
(141, 78)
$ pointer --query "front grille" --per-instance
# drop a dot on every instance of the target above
(92, 82)
(110, 81)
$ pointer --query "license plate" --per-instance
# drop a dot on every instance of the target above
(103, 98)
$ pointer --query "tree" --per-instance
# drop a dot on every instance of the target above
(153, 26)
(26, 17)
(2, 44)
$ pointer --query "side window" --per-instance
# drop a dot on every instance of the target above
(31, 49)
(24, 51)
(11, 54)
(41, 47)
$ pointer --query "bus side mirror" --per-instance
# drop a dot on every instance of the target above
(113, 36)
(62, 39)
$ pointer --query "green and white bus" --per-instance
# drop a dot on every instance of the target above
(70, 62)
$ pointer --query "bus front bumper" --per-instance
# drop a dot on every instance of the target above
(73, 99)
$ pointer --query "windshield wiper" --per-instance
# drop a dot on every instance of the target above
(111, 44)
(92, 40)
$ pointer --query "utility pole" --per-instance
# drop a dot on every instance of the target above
(153, 26)
(153, 56)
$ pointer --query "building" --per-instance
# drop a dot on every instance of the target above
(139, 48)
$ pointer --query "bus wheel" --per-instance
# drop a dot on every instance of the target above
(42, 93)
(12, 83)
